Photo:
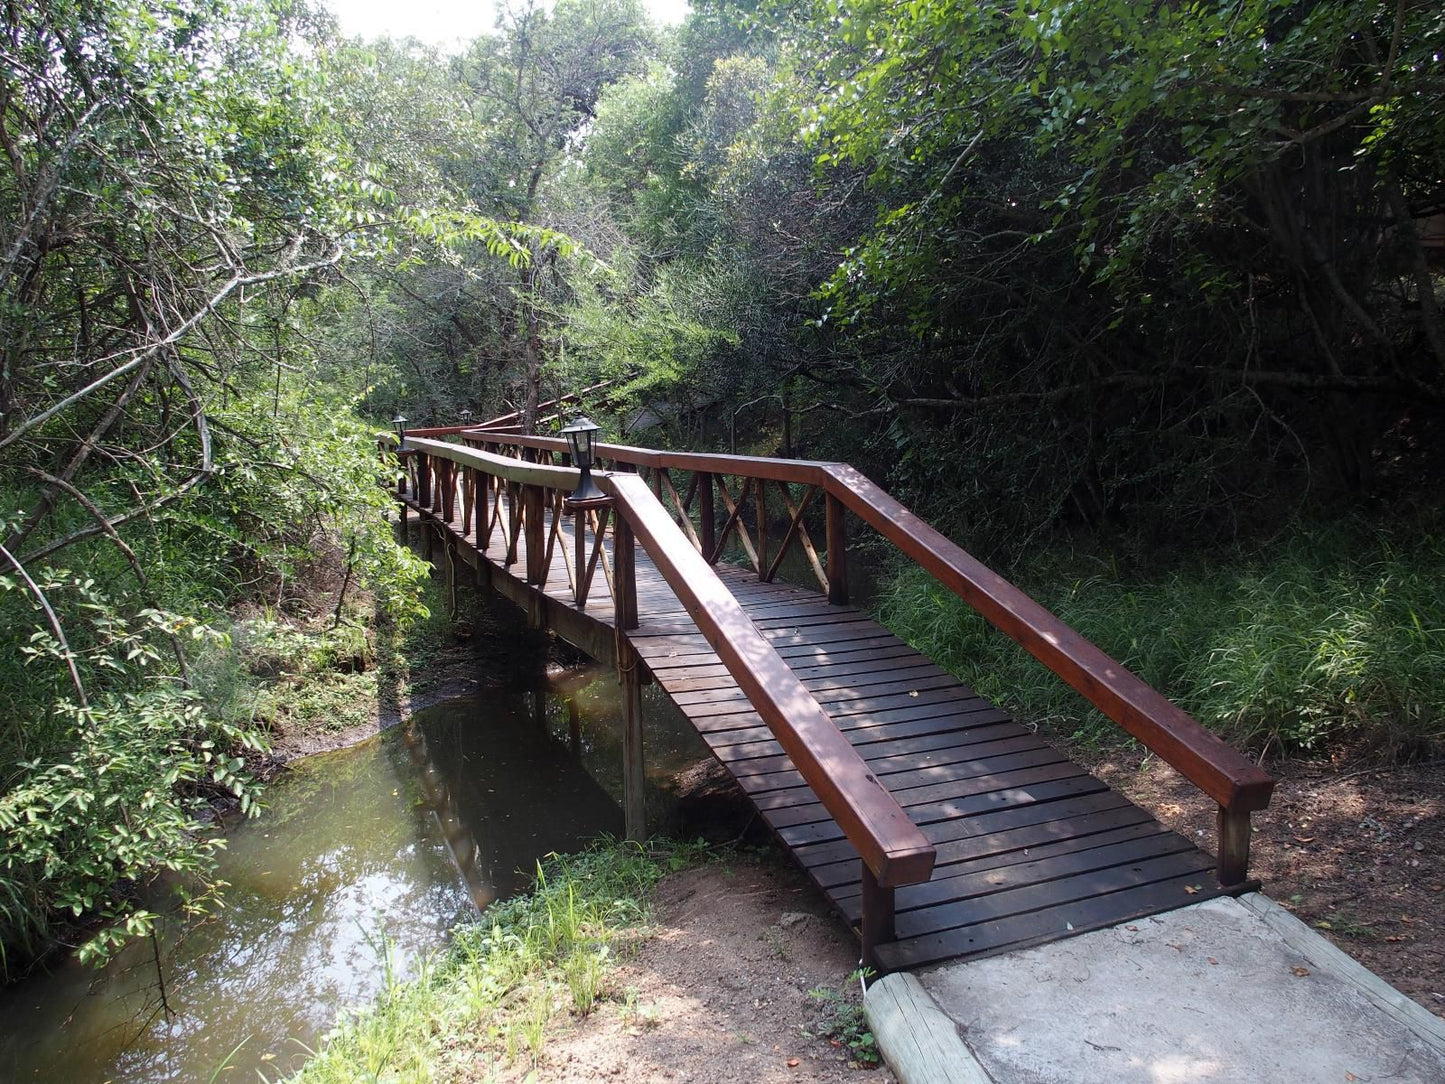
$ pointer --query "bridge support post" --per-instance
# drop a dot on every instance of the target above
(837, 543)
(634, 803)
(761, 500)
(1232, 865)
(533, 499)
(707, 528)
(426, 537)
(875, 925)
(624, 575)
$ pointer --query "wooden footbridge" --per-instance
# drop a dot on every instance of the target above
(937, 825)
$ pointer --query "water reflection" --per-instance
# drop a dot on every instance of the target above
(347, 850)
(354, 843)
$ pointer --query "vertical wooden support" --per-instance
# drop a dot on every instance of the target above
(534, 498)
(423, 480)
(426, 537)
(539, 706)
(513, 508)
(447, 482)
(876, 924)
(707, 528)
(401, 527)
(837, 543)
(1233, 864)
(469, 483)
(624, 575)
(579, 557)
(761, 502)
(634, 803)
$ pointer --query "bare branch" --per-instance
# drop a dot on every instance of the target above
(55, 626)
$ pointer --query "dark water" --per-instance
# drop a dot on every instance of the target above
(363, 860)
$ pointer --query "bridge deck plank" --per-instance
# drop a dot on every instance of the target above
(1030, 847)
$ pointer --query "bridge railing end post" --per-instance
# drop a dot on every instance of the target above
(1233, 859)
(876, 923)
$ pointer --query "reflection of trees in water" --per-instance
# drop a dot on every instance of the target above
(438, 798)
(504, 790)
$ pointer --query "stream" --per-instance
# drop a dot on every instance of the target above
(362, 861)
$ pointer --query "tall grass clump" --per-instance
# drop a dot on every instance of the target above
(1335, 637)
(492, 994)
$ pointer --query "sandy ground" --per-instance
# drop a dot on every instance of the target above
(721, 991)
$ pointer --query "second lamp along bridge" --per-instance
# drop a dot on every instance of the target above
(938, 826)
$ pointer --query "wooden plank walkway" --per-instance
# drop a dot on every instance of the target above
(1030, 847)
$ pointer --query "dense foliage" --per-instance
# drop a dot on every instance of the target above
(1134, 276)
(174, 199)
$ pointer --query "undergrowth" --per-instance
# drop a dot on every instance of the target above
(1329, 639)
(843, 1021)
(488, 999)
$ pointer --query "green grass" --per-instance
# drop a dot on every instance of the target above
(1334, 637)
(487, 1002)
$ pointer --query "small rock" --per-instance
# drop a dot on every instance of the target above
(793, 918)
(1419, 846)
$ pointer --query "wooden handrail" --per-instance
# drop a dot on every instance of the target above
(892, 847)
(1232, 780)
(1201, 756)
(889, 843)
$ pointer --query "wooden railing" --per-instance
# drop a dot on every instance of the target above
(1236, 784)
(893, 850)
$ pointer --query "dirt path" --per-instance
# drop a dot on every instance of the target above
(721, 992)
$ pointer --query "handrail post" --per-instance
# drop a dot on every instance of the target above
(536, 526)
(634, 775)
(514, 519)
(1232, 864)
(579, 557)
(624, 573)
(447, 483)
(836, 539)
(423, 479)
(707, 528)
(468, 488)
(761, 501)
(875, 926)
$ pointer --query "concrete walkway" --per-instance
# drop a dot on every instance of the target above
(1230, 989)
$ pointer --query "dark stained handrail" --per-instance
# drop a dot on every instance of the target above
(1232, 780)
(890, 845)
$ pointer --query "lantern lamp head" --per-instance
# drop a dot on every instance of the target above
(400, 422)
(466, 416)
(580, 433)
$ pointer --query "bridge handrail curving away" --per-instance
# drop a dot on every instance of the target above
(894, 851)
(1232, 780)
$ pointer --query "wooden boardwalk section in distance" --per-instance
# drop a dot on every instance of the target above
(1029, 846)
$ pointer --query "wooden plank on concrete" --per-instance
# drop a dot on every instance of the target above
(916, 1037)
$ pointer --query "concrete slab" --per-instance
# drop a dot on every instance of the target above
(1224, 990)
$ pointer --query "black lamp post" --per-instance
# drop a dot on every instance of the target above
(400, 422)
(466, 416)
(580, 432)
